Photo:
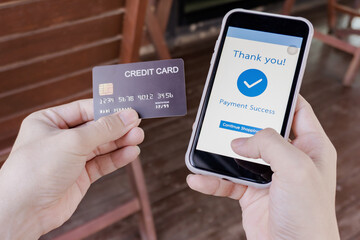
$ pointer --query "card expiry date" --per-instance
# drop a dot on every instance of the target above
(153, 89)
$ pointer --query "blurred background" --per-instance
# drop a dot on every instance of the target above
(47, 51)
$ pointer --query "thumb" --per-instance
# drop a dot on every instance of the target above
(268, 145)
(104, 130)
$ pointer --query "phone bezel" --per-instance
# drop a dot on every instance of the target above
(253, 20)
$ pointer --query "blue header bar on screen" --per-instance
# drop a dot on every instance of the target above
(266, 37)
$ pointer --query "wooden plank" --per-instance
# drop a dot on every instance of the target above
(6, 146)
(349, 220)
(36, 97)
(103, 221)
(163, 10)
(3, 159)
(208, 215)
(9, 129)
(335, 42)
(332, 16)
(352, 69)
(133, 30)
(38, 72)
(59, 39)
(135, 172)
(85, 93)
(156, 35)
(98, 200)
(31, 15)
(346, 10)
(7, 2)
(287, 7)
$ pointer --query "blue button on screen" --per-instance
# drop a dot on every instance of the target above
(239, 127)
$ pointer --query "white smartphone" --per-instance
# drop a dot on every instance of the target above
(253, 83)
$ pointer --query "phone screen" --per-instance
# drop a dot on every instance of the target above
(251, 88)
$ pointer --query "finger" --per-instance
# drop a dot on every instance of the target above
(268, 145)
(104, 130)
(105, 164)
(71, 114)
(311, 138)
(305, 120)
(134, 137)
(215, 186)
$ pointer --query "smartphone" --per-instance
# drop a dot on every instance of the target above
(253, 83)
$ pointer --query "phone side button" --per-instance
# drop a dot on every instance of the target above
(216, 45)
(212, 59)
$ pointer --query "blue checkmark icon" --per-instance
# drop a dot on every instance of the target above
(252, 82)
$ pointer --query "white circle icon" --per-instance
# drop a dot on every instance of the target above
(292, 50)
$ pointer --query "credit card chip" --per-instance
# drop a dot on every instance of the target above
(106, 89)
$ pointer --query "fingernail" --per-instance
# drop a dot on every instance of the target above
(128, 117)
(238, 142)
(189, 177)
(139, 150)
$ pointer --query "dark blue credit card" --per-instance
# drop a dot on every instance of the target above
(154, 89)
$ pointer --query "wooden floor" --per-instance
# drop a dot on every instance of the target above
(181, 214)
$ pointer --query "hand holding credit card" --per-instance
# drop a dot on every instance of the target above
(153, 89)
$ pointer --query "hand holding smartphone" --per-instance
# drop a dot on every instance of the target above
(253, 82)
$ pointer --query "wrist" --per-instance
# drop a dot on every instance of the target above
(335, 234)
(331, 230)
(17, 225)
(17, 221)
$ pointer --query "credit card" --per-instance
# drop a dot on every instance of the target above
(153, 89)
